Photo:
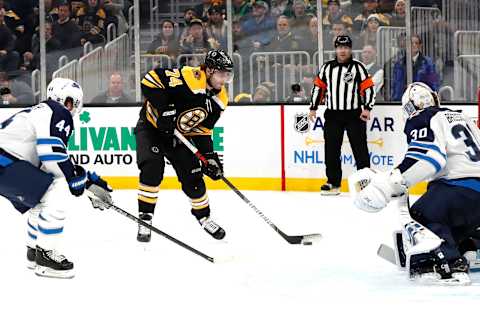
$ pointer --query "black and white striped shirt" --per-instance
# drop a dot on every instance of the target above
(343, 86)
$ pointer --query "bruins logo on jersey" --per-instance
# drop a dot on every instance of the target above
(191, 118)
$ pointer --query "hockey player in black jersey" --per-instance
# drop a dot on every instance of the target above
(191, 100)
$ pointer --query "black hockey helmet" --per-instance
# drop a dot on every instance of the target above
(218, 59)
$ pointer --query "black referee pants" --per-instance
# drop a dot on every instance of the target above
(336, 122)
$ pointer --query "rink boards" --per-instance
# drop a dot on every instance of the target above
(263, 147)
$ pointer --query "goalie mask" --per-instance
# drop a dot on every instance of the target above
(418, 96)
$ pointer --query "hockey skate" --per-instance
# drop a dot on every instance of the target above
(212, 228)
(144, 234)
(31, 254)
(50, 263)
(431, 271)
(329, 190)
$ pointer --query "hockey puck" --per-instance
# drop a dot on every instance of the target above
(307, 243)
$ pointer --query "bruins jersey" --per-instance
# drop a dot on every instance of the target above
(183, 92)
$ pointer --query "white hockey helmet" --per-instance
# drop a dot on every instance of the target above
(418, 96)
(62, 90)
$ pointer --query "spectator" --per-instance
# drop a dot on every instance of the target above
(335, 13)
(241, 9)
(398, 16)
(259, 25)
(51, 12)
(280, 7)
(166, 42)
(369, 7)
(300, 17)
(423, 70)
(298, 95)
(386, 7)
(240, 42)
(196, 42)
(31, 59)
(115, 14)
(91, 20)
(9, 58)
(284, 40)
(14, 91)
(309, 42)
(20, 23)
(338, 29)
(243, 98)
(216, 27)
(65, 29)
(201, 10)
(369, 35)
(264, 92)
(188, 15)
(369, 56)
(115, 92)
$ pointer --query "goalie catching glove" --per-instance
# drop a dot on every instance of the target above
(100, 189)
(371, 191)
(213, 167)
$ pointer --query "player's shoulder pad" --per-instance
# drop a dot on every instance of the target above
(422, 121)
(153, 79)
(59, 112)
(195, 78)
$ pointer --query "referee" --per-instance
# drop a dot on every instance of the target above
(348, 92)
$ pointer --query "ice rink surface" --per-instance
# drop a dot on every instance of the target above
(117, 278)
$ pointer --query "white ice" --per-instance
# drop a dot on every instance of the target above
(117, 278)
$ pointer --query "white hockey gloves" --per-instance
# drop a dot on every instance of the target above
(101, 198)
(371, 191)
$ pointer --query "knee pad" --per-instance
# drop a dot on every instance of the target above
(151, 173)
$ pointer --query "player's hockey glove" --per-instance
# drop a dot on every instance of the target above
(77, 182)
(166, 122)
(213, 168)
(100, 189)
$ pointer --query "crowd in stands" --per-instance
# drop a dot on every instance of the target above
(291, 25)
(258, 26)
(68, 26)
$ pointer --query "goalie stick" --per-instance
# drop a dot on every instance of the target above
(151, 227)
(308, 239)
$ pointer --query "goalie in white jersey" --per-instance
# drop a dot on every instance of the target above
(35, 169)
(443, 148)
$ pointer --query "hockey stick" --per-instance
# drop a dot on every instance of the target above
(308, 239)
(151, 227)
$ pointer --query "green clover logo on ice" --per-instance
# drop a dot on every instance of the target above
(85, 117)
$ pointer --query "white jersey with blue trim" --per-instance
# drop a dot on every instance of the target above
(442, 144)
(39, 135)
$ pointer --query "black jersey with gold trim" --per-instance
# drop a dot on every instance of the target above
(184, 92)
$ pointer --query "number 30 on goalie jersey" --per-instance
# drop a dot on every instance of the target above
(442, 144)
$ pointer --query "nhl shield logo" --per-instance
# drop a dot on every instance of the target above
(301, 123)
(348, 77)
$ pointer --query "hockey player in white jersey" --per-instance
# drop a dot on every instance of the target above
(35, 169)
(443, 148)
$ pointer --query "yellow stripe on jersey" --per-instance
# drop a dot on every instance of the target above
(149, 200)
(200, 130)
(201, 199)
(195, 78)
(148, 83)
(156, 78)
(146, 188)
(223, 97)
(151, 120)
(200, 203)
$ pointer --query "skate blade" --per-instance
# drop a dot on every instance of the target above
(457, 279)
(31, 265)
(330, 193)
(51, 273)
